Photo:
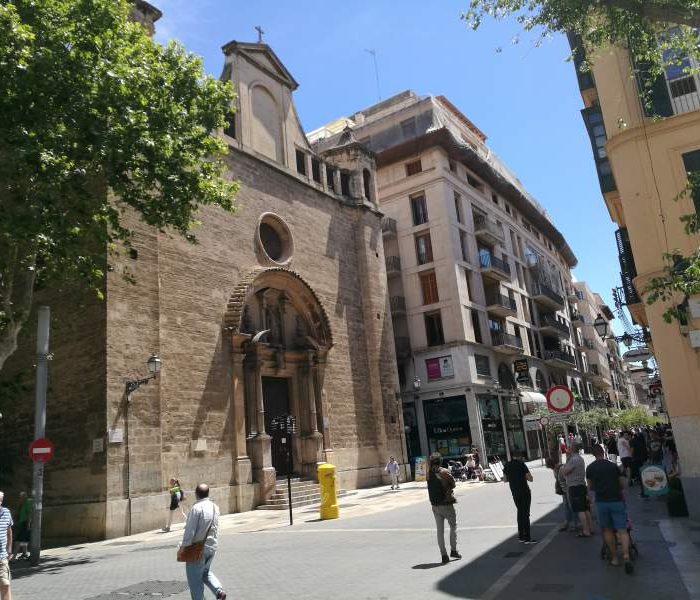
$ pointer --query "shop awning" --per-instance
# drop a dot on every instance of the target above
(533, 397)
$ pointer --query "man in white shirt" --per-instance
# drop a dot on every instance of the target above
(575, 473)
(202, 525)
(624, 451)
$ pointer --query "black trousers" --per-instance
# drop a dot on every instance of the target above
(523, 499)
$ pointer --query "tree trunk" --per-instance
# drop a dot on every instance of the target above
(16, 293)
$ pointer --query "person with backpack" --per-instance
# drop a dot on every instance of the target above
(177, 495)
(441, 487)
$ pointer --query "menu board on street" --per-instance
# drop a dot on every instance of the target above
(421, 468)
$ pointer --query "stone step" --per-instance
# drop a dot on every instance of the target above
(297, 494)
(295, 501)
(296, 489)
(283, 504)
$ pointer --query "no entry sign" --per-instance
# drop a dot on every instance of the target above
(560, 399)
(41, 450)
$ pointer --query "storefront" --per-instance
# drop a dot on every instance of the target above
(447, 426)
(502, 425)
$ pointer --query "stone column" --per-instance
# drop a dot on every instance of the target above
(313, 440)
(243, 492)
(259, 445)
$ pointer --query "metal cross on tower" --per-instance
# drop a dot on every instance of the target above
(260, 31)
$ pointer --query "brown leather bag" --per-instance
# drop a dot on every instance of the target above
(194, 552)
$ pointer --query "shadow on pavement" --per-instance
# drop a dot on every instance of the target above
(476, 577)
(49, 564)
(571, 568)
(425, 566)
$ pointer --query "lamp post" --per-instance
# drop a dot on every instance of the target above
(154, 364)
(602, 328)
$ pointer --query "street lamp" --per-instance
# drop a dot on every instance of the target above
(417, 383)
(601, 326)
(153, 363)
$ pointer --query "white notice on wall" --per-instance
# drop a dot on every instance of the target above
(116, 436)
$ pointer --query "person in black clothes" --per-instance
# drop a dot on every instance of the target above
(640, 455)
(441, 487)
(517, 475)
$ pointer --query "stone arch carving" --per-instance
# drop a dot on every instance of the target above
(266, 130)
(313, 320)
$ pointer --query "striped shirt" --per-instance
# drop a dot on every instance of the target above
(5, 522)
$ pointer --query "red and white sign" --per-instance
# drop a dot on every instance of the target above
(560, 399)
(41, 450)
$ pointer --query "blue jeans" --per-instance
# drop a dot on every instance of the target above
(199, 575)
(568, 513)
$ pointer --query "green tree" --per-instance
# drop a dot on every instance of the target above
(657, 33)
(97, 121)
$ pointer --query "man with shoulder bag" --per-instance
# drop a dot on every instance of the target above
(441, 487)
(199, 544)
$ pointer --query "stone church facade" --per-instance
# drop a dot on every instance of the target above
(280, 308)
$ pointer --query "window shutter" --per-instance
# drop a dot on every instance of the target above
(656, 100)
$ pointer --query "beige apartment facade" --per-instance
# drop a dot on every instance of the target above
(644, 152)
(479, 281)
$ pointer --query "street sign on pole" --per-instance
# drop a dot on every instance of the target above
(42, 369)
(41, 450)
(560, 399)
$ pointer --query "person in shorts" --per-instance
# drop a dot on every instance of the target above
(605, 480)
(5, 549)
(575, 472)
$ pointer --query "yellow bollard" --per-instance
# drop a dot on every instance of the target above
(329, 496)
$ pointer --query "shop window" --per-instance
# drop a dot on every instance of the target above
(433, 329)
(447, 426)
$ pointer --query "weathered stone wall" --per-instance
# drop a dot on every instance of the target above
(175, 308)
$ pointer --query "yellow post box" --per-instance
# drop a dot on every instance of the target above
(329, 495)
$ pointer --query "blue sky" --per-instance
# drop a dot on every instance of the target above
(525, 99)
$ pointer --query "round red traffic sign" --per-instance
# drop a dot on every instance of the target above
(41, 450)
(560, 399)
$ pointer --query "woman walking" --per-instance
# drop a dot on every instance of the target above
(176, 496)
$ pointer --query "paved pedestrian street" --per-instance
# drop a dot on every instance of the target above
(383, 547)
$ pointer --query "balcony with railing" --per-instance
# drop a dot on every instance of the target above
(397, 304)
(546, 296)
(487, 230)
(388, 226)
(500, 305)
(506, 343)
(550, 325)
(393, 265)
(494, 267)
(628, 270)
(559, 358)
(578, 320)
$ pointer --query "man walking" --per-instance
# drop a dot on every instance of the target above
(605, 480)
(516, 473)
(575, 472)
(624, 451)
(441, 487)
(5, 550)
(202, 526)
(392, 467)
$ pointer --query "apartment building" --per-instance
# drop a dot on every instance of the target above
(606, 377)
(644, 151)
(480, 288)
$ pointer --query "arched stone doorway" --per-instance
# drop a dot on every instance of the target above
(281, 336)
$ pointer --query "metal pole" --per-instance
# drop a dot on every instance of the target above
(290, 461)
(42, 352)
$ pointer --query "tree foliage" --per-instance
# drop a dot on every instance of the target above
(658, 34)
(96, 121)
